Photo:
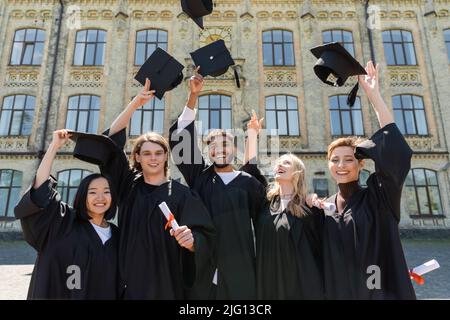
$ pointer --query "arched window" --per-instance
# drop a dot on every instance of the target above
(149, 117)
(409, 114)
(345, 38)
(399, 48)
(10, 185)
(421, 193)
(83, 112)
(68, 182)
(90, 48)
(214, 112)
(282, 115)
(278, 48)
(345, 121)
(146, 42)
(16, 115)
(28, 47)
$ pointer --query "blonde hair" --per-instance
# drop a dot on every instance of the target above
(351, 142)
(139, 142)
(295, 206)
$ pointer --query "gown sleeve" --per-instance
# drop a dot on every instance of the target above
(196, 265)
(185, 152)
(392, 157)
(43, 215)
(118, 170)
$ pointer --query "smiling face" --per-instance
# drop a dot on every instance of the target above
(343, 165)
(221, 151)
(152, 158)
(98, 199)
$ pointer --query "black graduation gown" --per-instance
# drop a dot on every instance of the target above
(232, 207)
(152, 265)
(288, 252)
(367, 233)
(63, 240)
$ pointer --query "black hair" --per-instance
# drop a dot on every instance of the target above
(79, 204)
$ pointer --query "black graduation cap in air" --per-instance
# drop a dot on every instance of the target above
(214, 60)
(197, 9)
(163, 70)
(334, 59)
(94, 148)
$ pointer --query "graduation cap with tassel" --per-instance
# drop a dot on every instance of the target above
(334, 60)
(214, 60)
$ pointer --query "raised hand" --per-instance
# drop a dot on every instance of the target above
(254, 123)
(144, 96)
(196, 82)
(369, 82)
(60, 138)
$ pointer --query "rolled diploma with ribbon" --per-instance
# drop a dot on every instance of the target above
(171, 222)
(325, 205)
(417, 273)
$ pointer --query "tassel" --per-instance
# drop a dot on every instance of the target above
(236, 77)
(352, 95)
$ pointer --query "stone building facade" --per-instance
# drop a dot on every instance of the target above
(77, 67)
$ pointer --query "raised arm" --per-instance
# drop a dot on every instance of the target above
(251, 145)
(371, 87)
(124, 117)
(60, 138)
(186, 153)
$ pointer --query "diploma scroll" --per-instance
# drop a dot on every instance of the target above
(171, 222)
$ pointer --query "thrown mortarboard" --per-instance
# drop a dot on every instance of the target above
(197, 9)
(334, 59)
(214, 60)
(163, 70)
(93, 148)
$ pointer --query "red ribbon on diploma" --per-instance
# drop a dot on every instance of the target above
(169, 222)
(418, 279)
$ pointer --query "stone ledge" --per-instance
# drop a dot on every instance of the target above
(425, 234)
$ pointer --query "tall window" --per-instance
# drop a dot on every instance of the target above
(16, 116)
(345, 120)
(214, 112)
(345, 38)
(399, 48)
(90, 48)
(447, 42)
(422, 193)
(409, 114)
(278, 48)
(10, 185)
(146, 42)
(83, 112)
(321, 187)
(68, 182)
(28, 47)
(149, 117)
(282, 115)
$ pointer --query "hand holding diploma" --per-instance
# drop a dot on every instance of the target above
(417, 273)
(312, 200)
(182, 234)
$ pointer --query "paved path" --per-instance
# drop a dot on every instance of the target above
(17, 259)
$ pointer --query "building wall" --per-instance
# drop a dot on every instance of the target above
(240, 23)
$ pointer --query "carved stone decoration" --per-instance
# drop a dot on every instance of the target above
(13, 144)
(404, 77)
(277, 77)
(22, 77)
(211, 34)
(420, 143)
(91, 77)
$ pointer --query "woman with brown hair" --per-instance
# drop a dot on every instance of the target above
(363, 255)
(154, 264)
